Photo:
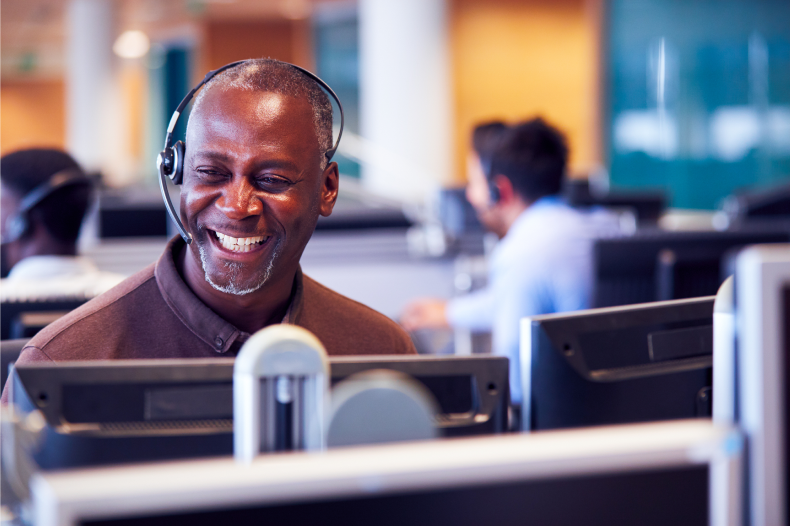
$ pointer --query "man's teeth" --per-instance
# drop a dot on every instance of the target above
(239, 244)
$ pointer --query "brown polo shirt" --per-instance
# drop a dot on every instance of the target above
(154, 314)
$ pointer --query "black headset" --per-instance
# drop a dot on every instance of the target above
(170, 161)
(18, 224)
(493, 190)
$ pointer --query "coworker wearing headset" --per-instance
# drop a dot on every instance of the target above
(256, 175)
(45, 196)
(477, 306)
(542, 263)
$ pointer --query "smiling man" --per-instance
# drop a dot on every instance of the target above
(256, 179)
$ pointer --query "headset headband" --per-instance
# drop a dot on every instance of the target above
(62, 178)
(17, 224)
(170, 161)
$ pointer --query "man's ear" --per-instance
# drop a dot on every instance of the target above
(329, 188)
(506, 191)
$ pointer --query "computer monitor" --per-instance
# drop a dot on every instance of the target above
(762, 320)
(759, 207)
(457, 215)
(16, 320)
(681, 473)
(125, 411)
(646, 206)
(132, 213)
(617, 365)
(358, 209)
(660, 265)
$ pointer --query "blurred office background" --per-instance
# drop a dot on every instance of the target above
(691, 97)
(685, 99)
(101, 77)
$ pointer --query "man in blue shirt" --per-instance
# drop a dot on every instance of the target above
(542, 263)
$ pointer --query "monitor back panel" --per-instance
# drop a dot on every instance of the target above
(629, 270)
(621, 365)
(11, 312)
(166, 409)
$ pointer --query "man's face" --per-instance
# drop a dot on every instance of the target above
(478, 193)
(253, 187)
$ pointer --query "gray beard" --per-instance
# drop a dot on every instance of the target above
(233, 269)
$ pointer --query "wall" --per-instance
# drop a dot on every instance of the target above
(33, 114)
(699, 111)
(230, 40)
(514, 59)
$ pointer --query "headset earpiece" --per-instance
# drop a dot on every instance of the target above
(164, 162)
(493, 191)
(170, 162)
(16, 227)
(178, 169)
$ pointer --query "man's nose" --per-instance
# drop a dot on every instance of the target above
(239, 200)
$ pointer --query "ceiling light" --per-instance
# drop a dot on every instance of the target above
(131, 44)
(295, 9)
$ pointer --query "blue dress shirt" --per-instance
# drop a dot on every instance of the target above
(542, 265)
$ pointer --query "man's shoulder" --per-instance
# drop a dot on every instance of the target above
(346, 326)
(565, 220)
(554, 231)
(105, 315)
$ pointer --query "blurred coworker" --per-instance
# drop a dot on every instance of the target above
(39, 243)
(476, 311)
(542, 263)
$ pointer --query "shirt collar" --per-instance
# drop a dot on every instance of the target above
(196, 315)
(534, 210)
(547, 201)
(35, 267)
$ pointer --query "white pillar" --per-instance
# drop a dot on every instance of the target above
(405, 95)
(95, 126)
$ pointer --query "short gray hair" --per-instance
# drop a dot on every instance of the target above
(270, 75)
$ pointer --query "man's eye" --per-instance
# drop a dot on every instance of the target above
(209, 174)
(273, 183)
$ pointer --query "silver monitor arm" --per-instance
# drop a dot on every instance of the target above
(280, 389)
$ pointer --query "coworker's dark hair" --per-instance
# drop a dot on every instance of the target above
(267, 74)
(533, 155)
(484, 140)
(62, 212)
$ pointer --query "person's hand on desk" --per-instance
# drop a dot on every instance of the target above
(425, 313)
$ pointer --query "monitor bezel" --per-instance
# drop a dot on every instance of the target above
(762, 275)
(65, 498)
